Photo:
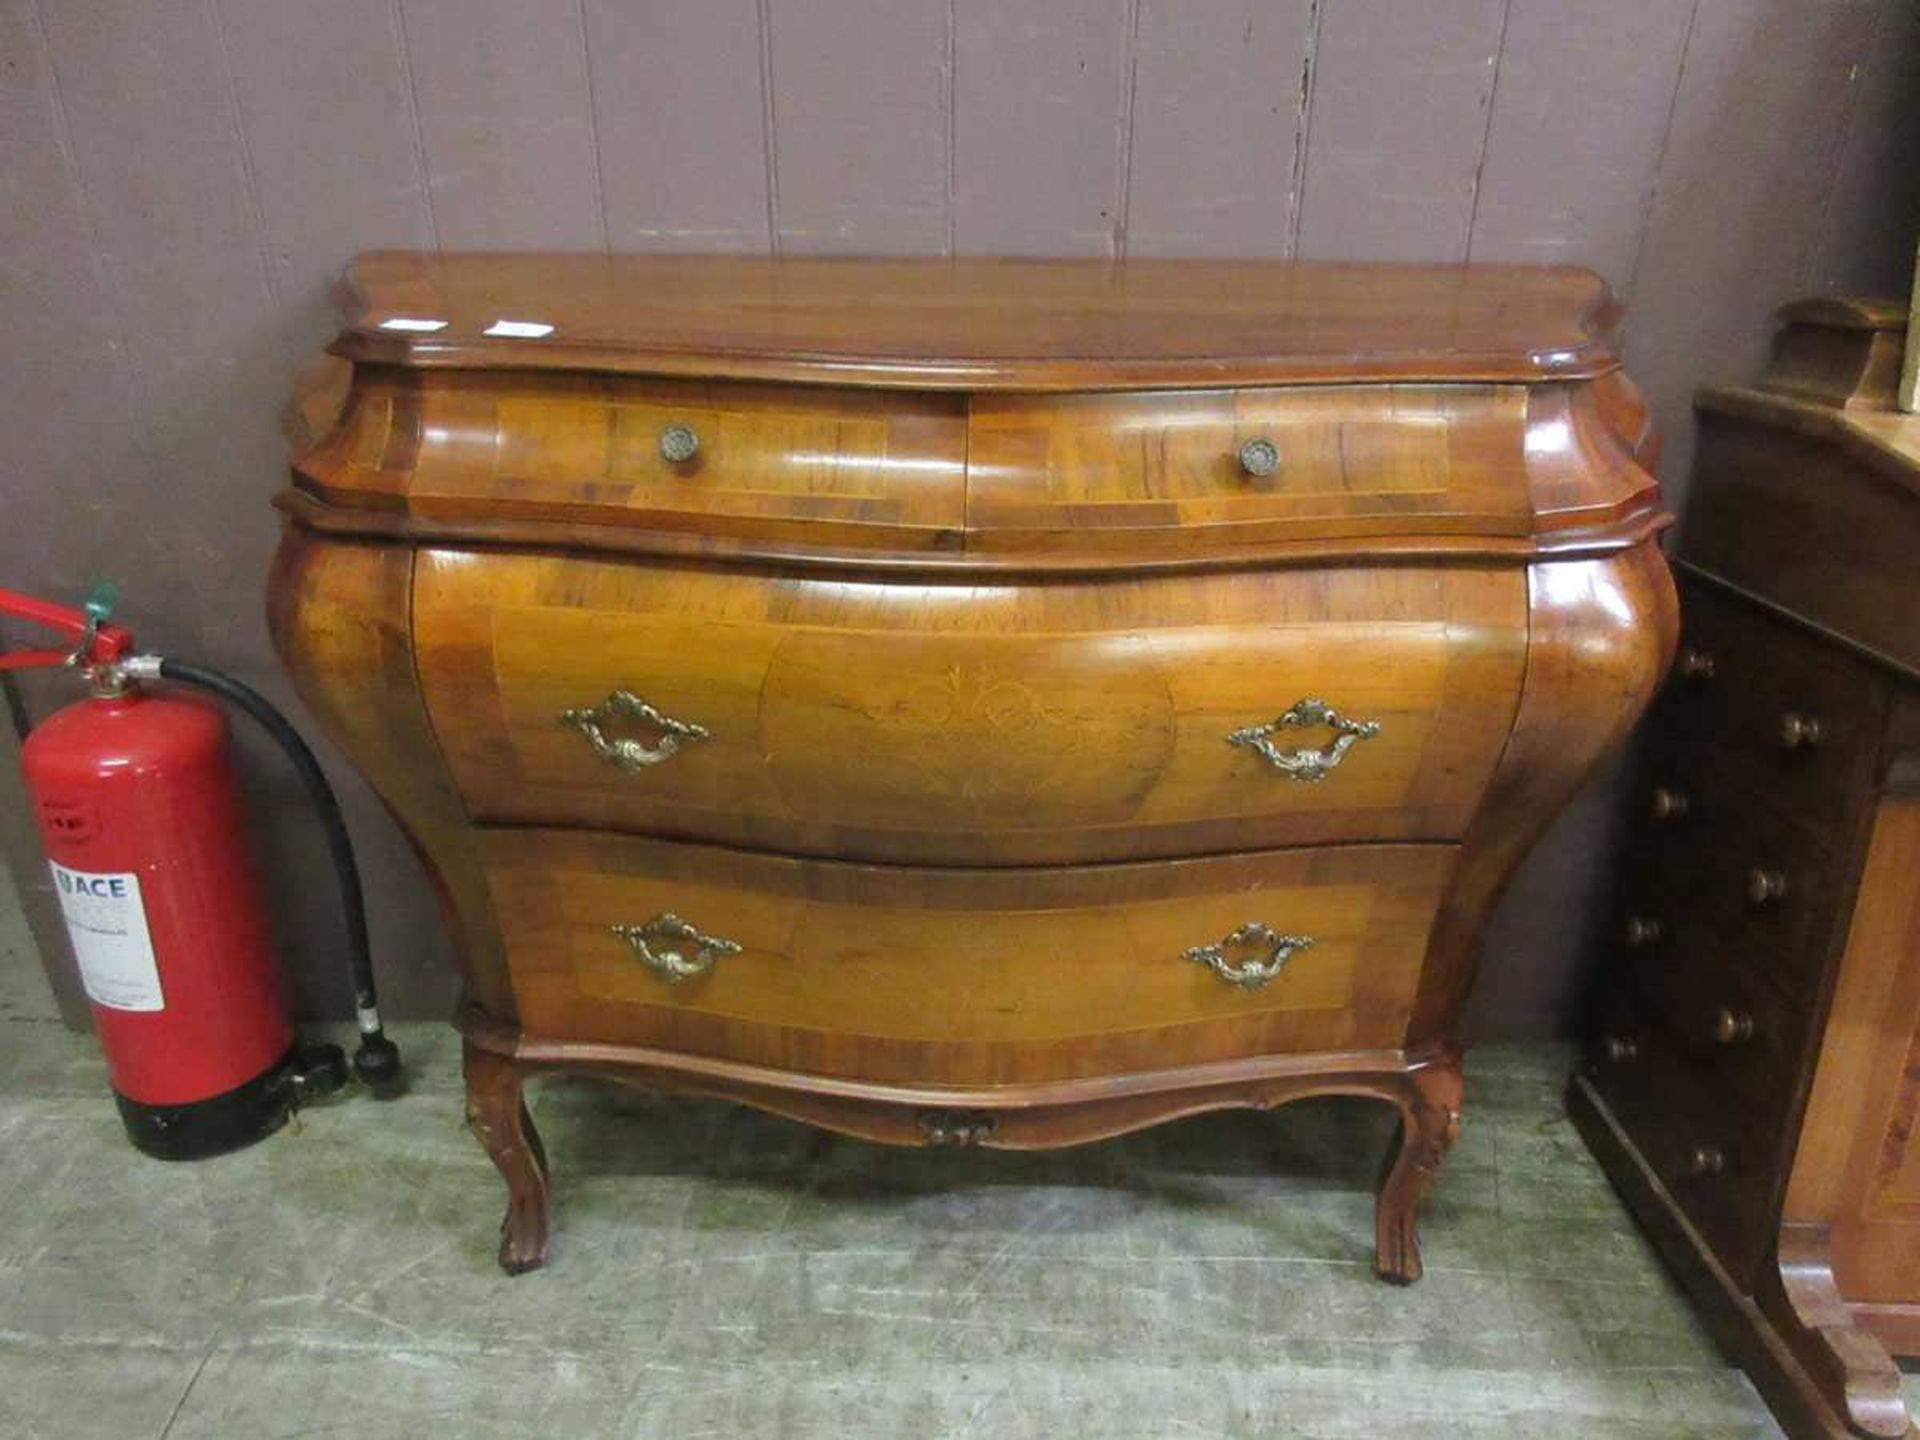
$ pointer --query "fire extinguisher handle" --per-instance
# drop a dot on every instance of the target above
(95, 641)
(377, 1060)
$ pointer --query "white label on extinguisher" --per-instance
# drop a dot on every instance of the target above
(108, 924)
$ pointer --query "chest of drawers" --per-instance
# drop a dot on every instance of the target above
(1753, 1084)
(969, 703)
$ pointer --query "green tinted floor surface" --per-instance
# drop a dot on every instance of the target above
(720, 1273)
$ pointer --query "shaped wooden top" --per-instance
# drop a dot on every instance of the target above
(979, 324)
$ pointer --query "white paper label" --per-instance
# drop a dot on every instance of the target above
(108, 924)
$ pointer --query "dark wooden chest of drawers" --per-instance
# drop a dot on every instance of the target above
(1751, 1082)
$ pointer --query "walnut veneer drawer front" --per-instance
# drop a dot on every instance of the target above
(972, 724)
(1257, 463)
(825, 463)
(956, 976)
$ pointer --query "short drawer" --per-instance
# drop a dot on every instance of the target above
(1739, 1032)
(1753, 695)
(1715, 1157)
(971, 724)
(1711, 877)
(893, 973)
(821, 465)
(1227, 466)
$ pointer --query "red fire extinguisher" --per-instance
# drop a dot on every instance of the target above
(142, 821)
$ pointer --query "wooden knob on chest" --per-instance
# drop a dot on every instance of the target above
(1643, 930)
(1259, 457)
(1619, 1050)
(1732, 1027)
(1765, 887)
(1706, 1160)
(1694, 664)
(1799, 732)
(1669, 804)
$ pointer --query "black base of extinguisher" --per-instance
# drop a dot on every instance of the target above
(238, 1117)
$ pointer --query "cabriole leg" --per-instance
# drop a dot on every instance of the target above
(1429, 1122)
(497, 1115)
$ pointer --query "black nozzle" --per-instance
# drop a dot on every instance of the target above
(377, 1063)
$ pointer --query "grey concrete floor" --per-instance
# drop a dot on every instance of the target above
(719, 1273)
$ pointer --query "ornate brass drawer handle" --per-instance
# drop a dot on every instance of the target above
(1257, 970)
(1306, 763)
(672, 948)
(627, 753)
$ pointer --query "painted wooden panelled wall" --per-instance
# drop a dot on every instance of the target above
(183, 178)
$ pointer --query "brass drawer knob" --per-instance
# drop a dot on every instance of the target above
(624, 752)
(1306, 762)
(1271, 951)
(679, 444)
(1732, 1027)
(673, 949)
(1260, 457)
(1643, 930)
(1669, 804)
(1620, 1049)
(1694, 664)
(1765, 887)
(1799, 732)
(1706, 1160)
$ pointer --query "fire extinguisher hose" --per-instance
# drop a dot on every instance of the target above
(377, 1061)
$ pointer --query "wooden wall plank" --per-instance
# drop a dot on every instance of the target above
(501, 89)
(1039, 111)
(1579, 114)
(860, 112)
(335, 166)
(68, 418)
(1735, 217)
(680, 110)
(1218, 109)
(1396, 123)
(67, 427)
(1872, 216)
(153, 131)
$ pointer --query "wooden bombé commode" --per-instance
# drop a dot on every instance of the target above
(977, 702)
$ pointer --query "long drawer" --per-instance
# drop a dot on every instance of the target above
(1057, 723)
(961, 976)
